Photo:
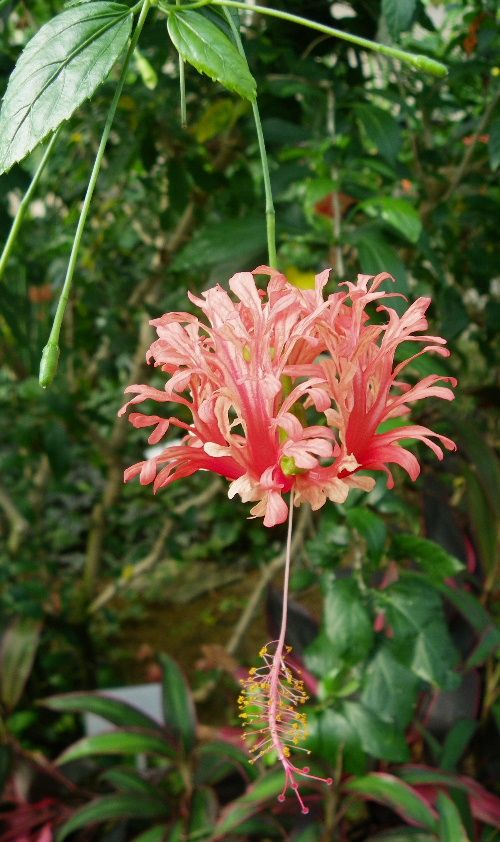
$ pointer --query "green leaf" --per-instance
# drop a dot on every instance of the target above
(451, 828)
(60, 67)
(129, 780)
(110, 807)
(387, 789)
(381, 130)
(218, 759)
(390, 689)
(435, 561)
(203, 810)
(421, 638)
(489, 644)
(17, 653)
(398, 213)
(117, 742)
(331, 733)
(378, 738)
(202, 44)
(347, 622)
(398, 15)
(114, 710)
(178, 707)
(457, 740)
(469, 606)
(371, 527)
(376, 255)
(232, 243)
(403, 834)
(5, 765)
(494, 143)
(255, 798)
(154, 834)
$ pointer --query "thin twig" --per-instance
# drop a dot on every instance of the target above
(154, 556)
(19, 526)
(462, 168)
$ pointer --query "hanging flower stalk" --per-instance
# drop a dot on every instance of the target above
(285, 391)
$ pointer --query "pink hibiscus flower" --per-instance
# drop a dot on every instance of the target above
(247, 380)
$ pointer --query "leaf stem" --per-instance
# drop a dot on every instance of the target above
(50, 354)
(23, 207)
(270, 213)
(420, 62)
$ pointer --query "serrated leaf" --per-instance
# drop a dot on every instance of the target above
(178, 706)
(398, 15)
(451, 828)
(390, 689)
(387, 789)
(435, 561)
(421, 638)
(347, 622)
(381, 130)
(378, 738)
(117, 742)
(114, 710)
(17, 653)
(113, 807)
(398, 213)
(60, 67)
(202, 44)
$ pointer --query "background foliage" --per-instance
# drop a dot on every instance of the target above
(373, 167)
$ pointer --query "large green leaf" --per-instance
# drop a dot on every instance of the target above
(390, 688)
(435, 561)
(451, 828)
(398, 15)
(110, 807)
(330, 733)
(380, 130)
(178, 705)
(421, 638)
(118, 742)
(17, 653)
(114, 710)
(60, 67)
(347, 622)
(202, 44)
(378, 738)
(389, 790)
(398, 213)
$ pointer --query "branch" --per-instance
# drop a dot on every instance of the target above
(462, 169)
(19, 526)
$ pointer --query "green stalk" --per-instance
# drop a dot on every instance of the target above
(270, 214)
(50, 354)
(23, 207)
(182, 86)
(428, 65)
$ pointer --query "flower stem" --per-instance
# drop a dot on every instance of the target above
(23, 207)
(270, 214)
(50, 354)
(420, 62)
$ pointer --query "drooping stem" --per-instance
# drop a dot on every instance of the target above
(420, 62)
(23, 207)
(50, 355)
(270, 214)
